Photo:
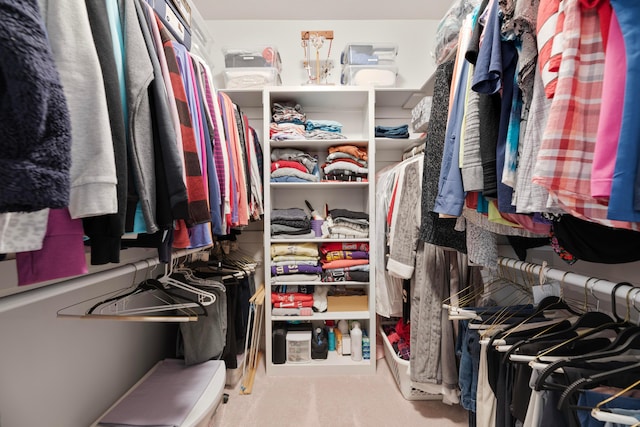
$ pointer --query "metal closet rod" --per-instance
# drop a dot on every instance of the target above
(21, 299)
(624, 295)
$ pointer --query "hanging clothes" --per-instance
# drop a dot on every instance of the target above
(34, 115)
(93, 170)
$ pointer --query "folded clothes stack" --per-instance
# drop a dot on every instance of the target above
(288, 112)
(292, 223)
(398, 132)
(346, 163)
(293, 165)
(347, 224)
(287, 122)
(296, 262)
(286, 131)
(324, 129)
(343, 262)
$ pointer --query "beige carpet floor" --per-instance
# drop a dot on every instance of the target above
(349, 401)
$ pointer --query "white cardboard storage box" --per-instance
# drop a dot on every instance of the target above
(420, 114)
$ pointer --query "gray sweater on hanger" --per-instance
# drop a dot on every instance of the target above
(435, 230)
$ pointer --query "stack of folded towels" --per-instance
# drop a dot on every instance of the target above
(346, 163)
(345, 261)
(292, 223)
(293, 165)
(347, 224)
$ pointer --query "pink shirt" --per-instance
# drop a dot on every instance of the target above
(604, 156)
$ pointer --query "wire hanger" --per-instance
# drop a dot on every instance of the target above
(161, 299)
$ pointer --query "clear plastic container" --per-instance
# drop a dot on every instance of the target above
(369, 75)
(257, 56)
(251, 77)
(298, 346)
(369, 54)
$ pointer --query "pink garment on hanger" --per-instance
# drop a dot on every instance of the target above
(62, 253)
(604, 155)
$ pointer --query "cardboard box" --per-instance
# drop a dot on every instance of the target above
(348, 303)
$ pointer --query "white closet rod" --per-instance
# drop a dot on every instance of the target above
(21, 299)
(626, 297)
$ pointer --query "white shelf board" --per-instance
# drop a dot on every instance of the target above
(328, 315)
(345, 283)
(319, 240)
(323, 185)
(406, 98)
(336, 364)
(398, 97)
(245, 97)
(318, 143)
(328, 98)
(395, 144)
(304, 370)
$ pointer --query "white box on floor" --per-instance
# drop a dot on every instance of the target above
(171, 393)
(299, 347)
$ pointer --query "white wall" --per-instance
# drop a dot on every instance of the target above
(67, 372)
(413, 37)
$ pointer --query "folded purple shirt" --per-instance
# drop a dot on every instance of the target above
(292, 269)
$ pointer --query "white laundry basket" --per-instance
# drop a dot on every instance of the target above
(400, 370)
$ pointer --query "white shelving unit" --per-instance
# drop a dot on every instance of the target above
(360, 110)
(354, 108)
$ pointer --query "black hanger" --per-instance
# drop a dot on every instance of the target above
(614, 309)
(141, 287)
(547, 303)
(593, 381)
(556, 303)
(150, 285)
(627, 339)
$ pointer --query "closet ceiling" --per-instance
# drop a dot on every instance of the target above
(322, 10)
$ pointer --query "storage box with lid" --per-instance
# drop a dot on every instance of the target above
(298, 346)
(251, 77)
(420, 114)
(369, 54)
(252, 67)
(369, 75)
(256, 56)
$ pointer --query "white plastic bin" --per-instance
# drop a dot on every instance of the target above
(251, 77)
(298, 346)
(369, 75)
(369, 54)
(256, 56)
(400, 370)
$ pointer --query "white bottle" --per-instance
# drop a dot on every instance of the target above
(356, 342)
(343, 326)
